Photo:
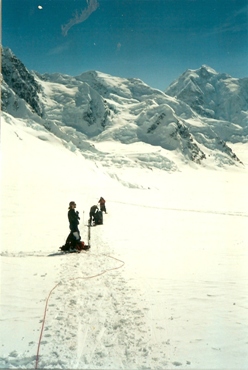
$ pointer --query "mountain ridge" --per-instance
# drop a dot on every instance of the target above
(95, 107)
(214, 95)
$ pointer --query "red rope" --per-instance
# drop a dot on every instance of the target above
(45, 311)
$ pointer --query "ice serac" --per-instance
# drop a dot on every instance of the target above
(95, 107)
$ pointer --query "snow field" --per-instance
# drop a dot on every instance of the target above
(164, 284)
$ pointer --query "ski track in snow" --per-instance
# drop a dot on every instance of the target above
(104, 313)
(82, 309)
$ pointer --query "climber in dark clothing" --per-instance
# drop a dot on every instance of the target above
(73, 217)
(102, 202)
(95, 215)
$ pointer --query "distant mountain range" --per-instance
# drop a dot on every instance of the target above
(193, 121)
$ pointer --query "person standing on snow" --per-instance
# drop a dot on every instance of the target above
(73, 217)
(102, 202)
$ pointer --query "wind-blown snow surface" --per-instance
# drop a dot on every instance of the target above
(164, 284)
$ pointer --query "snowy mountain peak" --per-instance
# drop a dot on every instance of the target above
(112, 86)
(7, 52)
(205, 71)
(214, 95)
(93, 108)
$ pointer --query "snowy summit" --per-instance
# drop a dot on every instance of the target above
(203, 112)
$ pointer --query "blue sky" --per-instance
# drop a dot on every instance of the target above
(154, 40)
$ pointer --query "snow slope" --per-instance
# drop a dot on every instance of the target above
(164, 285)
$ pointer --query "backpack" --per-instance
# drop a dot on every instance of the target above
(77, 248)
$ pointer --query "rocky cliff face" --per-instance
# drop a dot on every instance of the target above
(20, 81)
